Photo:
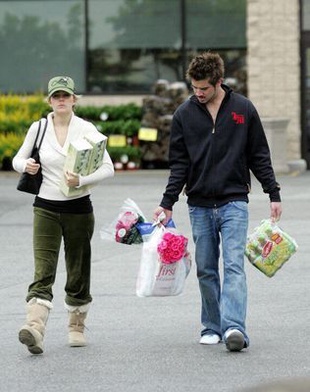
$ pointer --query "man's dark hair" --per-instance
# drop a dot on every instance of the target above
(206, 66)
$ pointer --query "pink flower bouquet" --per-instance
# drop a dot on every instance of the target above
(172, 247)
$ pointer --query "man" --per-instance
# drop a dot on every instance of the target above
(216, 139)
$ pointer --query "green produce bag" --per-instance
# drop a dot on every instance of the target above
(269, 247)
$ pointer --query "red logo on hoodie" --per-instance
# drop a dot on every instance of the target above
(238, 118)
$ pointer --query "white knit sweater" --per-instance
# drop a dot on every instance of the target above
(53, 155)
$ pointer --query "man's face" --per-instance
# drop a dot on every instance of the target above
(203, 90)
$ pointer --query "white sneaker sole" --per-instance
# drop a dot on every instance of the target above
(210, 339)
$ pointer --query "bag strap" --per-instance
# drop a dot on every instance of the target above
(44, 130)
(37, 136)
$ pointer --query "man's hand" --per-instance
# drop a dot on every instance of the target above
(157, 215)
(275, 211)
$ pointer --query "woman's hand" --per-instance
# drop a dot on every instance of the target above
(31, 166)
(72, 179)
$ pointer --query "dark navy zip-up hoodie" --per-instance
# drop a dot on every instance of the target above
(213, 160)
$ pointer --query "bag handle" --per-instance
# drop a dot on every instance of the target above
(44, 130)
(37, 136)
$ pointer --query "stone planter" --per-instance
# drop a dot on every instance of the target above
(276, 133)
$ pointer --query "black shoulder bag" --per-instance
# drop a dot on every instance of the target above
(31, 183)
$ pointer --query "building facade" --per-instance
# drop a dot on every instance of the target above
(116, 49)
(274, 70)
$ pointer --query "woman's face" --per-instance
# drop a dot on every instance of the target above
(62, 102)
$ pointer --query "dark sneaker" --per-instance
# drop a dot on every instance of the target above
(234, 340)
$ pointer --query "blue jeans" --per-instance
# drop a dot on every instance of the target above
(223, 306)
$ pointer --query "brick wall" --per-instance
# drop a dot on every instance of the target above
(273, 64)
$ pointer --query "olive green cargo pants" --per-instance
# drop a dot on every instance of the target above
(76, 230)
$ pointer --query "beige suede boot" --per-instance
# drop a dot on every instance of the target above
(32, 333)
(77, 316)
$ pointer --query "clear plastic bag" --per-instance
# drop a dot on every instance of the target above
(124, 228)
(269, 247)
(165, 264)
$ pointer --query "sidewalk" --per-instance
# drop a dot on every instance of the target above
(151, 344)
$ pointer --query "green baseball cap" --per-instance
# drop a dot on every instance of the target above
(61, 83)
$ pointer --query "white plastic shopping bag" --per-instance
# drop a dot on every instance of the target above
(165, 263)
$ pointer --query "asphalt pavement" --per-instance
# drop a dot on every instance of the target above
(151, 344)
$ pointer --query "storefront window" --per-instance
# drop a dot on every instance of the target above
(132, 44)
(38, 40)
(305, 22)
(217, 24)
(115, 46)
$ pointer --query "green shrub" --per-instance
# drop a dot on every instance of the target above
(17, 113)
(9, 145)
(119, 127)
(129, 111)
(133, 153)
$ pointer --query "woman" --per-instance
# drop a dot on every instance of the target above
(58, 217)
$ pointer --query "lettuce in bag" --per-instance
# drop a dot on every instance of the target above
(269, 247)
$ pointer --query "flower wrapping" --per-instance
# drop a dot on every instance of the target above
(165, 264)
(124, 229)
(269, 247)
